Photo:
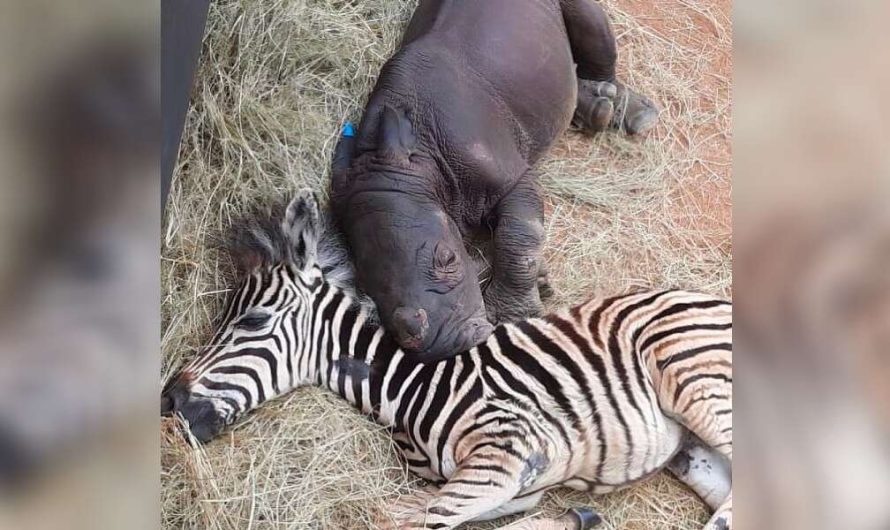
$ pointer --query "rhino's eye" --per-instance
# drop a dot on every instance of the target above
(446, 259)
(252, 321)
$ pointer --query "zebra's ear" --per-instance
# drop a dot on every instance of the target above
(301, 228)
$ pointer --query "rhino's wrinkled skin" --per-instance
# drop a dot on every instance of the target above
(475, 95)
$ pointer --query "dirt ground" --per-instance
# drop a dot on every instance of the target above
(277, 78)
(704, 199)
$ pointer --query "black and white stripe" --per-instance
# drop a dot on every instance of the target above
(594, 397)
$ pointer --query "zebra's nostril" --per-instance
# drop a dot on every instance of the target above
(203, 419)
(167, 405)
(173, 396)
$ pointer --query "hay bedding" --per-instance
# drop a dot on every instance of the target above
(276, 80)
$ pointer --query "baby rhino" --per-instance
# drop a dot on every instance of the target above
(474, 97)
(595, 397)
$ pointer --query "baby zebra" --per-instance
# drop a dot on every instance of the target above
(596, 397)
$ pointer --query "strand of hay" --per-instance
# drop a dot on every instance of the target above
(277, 79)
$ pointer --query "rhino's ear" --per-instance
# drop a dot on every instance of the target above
(397, 140)
(301, 228)
(344, 152)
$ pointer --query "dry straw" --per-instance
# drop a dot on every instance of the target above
(277, 78)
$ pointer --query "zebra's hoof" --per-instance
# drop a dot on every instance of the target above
(721, 524)
(585, 518)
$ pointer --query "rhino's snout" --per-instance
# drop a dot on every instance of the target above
(461, 339)
(411, 327)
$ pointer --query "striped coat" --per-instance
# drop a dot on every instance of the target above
(596, 397)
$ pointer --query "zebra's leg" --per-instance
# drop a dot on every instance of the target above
(722, 518)
(694, 384)
(406, 507)
(517, 505)
(574, 519)
(704, 470)
(481, 484)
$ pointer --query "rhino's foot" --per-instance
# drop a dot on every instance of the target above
(504, 315)
(603, 105)
(595, 109)
(504, 306)
(634, 112)
(545, 288)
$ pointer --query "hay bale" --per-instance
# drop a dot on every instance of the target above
(276, 80)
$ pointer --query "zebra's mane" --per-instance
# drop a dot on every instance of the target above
(258, 240)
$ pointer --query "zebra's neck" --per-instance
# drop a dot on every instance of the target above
(353, 356)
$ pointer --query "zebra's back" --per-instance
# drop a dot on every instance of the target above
(583, 391)
(595, 397)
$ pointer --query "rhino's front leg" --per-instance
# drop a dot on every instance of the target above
(518, 223)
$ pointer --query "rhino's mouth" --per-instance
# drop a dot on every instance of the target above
(459, 339)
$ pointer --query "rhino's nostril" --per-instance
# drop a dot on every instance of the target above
(411, 326)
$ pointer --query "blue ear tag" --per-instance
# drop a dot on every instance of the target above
(348, 130)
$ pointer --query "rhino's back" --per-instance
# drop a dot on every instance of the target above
(489, 86)
(516, 52)
(495, 83)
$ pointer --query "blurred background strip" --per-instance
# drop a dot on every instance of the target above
(182, 29)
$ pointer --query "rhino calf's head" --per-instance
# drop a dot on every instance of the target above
(409, 253)
(410, 259)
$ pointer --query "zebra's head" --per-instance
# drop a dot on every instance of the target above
(252, 356)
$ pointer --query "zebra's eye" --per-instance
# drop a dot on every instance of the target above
(252, 321)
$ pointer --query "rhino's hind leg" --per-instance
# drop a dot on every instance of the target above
(595, 51)
(513, 292)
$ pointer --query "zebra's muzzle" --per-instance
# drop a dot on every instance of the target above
(204, 421)
(166, 405)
